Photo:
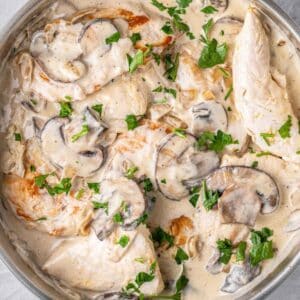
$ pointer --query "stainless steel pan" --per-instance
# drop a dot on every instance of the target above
(7, 252)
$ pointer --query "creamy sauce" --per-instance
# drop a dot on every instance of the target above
(66, 241)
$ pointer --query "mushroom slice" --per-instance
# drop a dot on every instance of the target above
(239, 276)
(293, 221)
(178, 163)
(221, 5)
(83, 161)
(93, 36)
(122, 198)
(57, 51)
(208, 116)
(214, 266)
(239, 204)
(34, 80)
(260, 182)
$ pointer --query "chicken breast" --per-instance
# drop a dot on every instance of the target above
(261, 95)
(92, 263)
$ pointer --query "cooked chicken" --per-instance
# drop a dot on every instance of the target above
(261, 94)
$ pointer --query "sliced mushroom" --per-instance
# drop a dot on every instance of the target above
(214, 266)
(123, 197)
(221, 5)
(178, 163)
(55, 147)
(208, 116)
(257, 180)
(239, 204)
(239, 276)
(293, 221)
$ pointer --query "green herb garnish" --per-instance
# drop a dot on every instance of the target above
(167, 28)
(164, 181)
(18, 137)
(84, 131)
(123, 241)
(216, 142)
(263, 153)
(98, 108)
(161, 89)
(209, 10)
(285, 129)
(180, 132)
(160, 236)
(181, 256)
(225, 248)
(266, 137)
(194, 196)
(65, 109)
(131, 121)
(210, 198)
(131, 171)
(94, 186)
(32, 168)
(229, 92)
(241, 251)
(142, 219)
(135, 37)
(171, 66)
(102, 205)
(254, 164)
(113, 38)
(262, 248)
(135, 61)
(147, 185)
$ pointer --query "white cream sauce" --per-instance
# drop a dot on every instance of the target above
(79, 265)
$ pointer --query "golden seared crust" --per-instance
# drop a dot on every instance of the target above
(61, 215)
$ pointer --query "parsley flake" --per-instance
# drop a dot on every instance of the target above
(113, 38)
(210, 198)
(101, 205)
(18, 137)
(161, 237)
(131, 121)
(131, 171)
(285, 129)
(181, 256)
(209, 10)
(266, 137)
(241, 251)
(84, 131)
(98, 108)
(65, 109)
(135, 38)
(94, 186)
(180, 132)
(225, 248)
(123, 241)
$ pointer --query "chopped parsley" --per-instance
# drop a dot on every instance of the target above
(135, 61)
(41, 219)
(157, 58)
(194, 196)
(84, 131)
(161, 89)
(224, 72)
(254, 164)
(118, 218)
(123, 241)
(216, 142)
(212, 54)
(131, 121)
(18, 137)
(263, 153)
(210, 198)
(113, 38)
(266, 137)
(229, 92)
(159, 5)
(161, 237)
(225, 248)
(147, 185)
(79, 194)
(171, 66)
(98, 108)
(209, 10)
(184, 3)
(164, 181)
(94, 186)
(261, 248)
(142, 219)
(63, 186)
(167, 28)
(32, 168)
(65, 109)
(101, 205)
(131, 171)
(69, 98)
(181, 256)
(285, 129)
(241, 251)
(135, 37)
(180, 132)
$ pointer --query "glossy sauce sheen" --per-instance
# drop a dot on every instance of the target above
(87, 249)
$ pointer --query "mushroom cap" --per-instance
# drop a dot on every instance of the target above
(259, 181)
(178, 162)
